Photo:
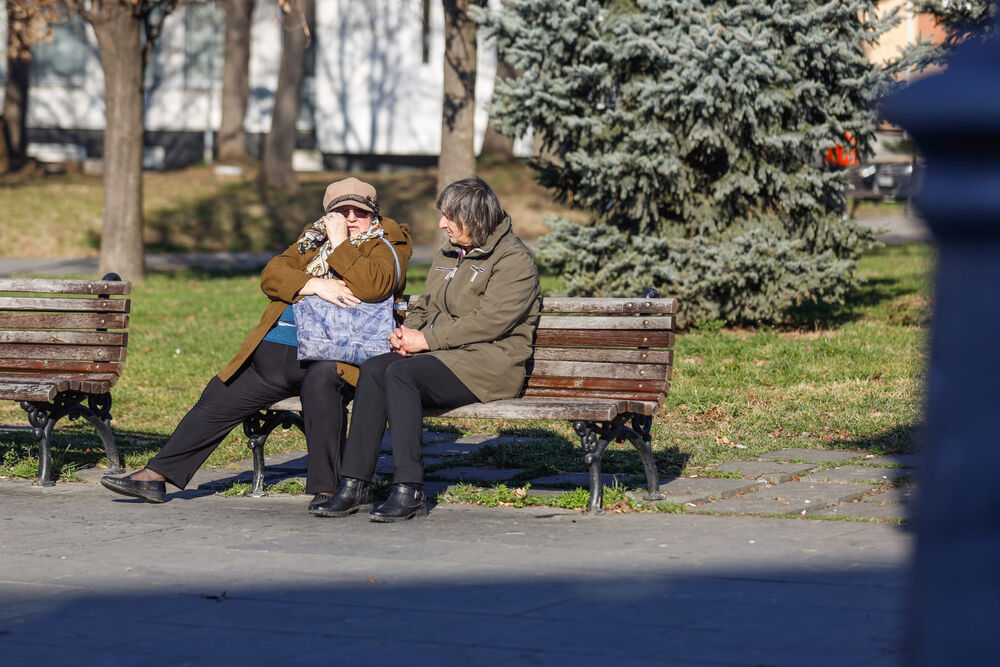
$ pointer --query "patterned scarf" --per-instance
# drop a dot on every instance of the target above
(315, 237)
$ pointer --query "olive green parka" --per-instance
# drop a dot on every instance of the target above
(479, 313)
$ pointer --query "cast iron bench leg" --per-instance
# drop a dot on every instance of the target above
(596, 437)
(43, 418)
(593, 446)
(257, 427)
(639, 436)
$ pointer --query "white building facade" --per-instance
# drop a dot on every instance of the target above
(372, 96)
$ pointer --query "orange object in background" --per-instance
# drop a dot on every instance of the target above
(841, 157)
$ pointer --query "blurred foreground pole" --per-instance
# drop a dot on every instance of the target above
(955, 119)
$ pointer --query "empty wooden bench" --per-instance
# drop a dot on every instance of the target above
(602, 364)
(62, 347)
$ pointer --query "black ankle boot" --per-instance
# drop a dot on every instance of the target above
(405, 502)
(318, 500)
(353, 495)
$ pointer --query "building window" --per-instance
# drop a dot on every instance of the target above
(3, 41)
(62, 60)
(204, 25)
(307, 98)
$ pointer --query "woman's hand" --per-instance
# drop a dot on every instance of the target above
(404, 341)
(336, 228)
(333, 290)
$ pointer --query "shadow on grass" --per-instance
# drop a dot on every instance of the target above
(241, 217)
(898, 440)
(543, 452)
(75, 446)
(903, 295)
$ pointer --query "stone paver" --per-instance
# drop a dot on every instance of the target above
(866, 510)
(905, 460)
(787, 498)
(451, 448)
(474, 474)
(385, 466)
(902, 494)
(870, 475)
(583, 479)
(687, 490)
(810, 455)
(772, 473)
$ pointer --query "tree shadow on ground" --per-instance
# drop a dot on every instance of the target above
(240, 217)
(904, 298)
(75, 446)
(903, 439)
(543, 452)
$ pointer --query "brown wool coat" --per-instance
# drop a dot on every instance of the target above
(369, 270)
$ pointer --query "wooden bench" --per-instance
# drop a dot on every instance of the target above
(60, 350)
(603, 364)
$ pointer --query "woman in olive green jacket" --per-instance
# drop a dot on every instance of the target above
(466, 339)
(344, 259)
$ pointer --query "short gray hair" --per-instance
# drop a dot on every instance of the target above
(472, 204)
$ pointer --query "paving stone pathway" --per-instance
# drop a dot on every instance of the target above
(786, 482)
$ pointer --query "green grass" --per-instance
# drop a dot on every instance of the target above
(193, 210)
(614, 499)
(843, 377)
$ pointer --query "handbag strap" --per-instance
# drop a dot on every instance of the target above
(395, 257)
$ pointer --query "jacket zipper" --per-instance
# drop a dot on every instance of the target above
(454, 272)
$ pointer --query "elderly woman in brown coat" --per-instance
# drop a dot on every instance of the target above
(341, 258)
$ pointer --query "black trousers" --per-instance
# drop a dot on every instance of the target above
(272, 374)
(396, 389)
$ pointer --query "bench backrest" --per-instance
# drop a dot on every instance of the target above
(58, 335)
(604, 349)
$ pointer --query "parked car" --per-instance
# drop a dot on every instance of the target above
(889, 180)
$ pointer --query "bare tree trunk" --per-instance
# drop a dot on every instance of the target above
(276, 163)
(119, 40)
(15, 100)
(494, 143)
(457, 158)
(235, 80)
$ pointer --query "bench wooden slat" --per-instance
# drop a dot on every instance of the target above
(650, 396)
(543, 409)
(604, 354)
(555, 304)
(664, 322)
(598, 369)
(62, 286)
(63, 320)
(594, 338)
(64, 305)
(64, 337)
(610, 384)
(27, 392)
(56, 365)
(77, 352)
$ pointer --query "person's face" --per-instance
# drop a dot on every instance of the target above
(358, 219)
(456, 232)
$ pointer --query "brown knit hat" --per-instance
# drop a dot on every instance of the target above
(351, 190)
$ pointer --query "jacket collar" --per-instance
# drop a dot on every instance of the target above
(487, 248)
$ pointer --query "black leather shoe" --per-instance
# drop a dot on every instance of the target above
(319, 499)
(153, 492)
(353, 495)
(405, 502)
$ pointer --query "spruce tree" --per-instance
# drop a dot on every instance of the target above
(960, 21)
(694, 132)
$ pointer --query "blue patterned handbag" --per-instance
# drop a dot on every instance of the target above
(352, 335)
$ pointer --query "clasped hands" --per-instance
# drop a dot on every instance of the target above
(333, 290)
(405, 341)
